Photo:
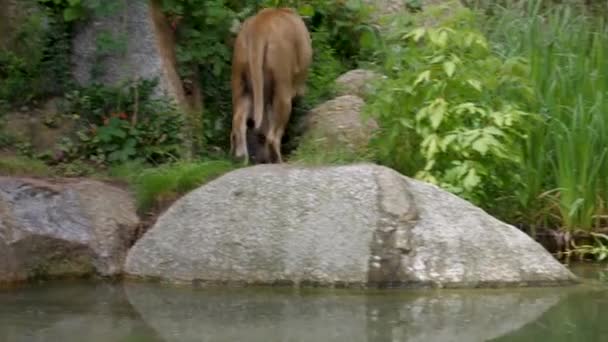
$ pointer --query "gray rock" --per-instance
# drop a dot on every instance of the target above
(263, 315)
(338, 124)
(356, 82)
(138, 47)
(387, 7)
(349, 225)
(69, 228)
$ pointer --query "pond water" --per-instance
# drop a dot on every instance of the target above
(85, 311)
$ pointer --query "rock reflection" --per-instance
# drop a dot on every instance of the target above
(70, 311)
(185, 314)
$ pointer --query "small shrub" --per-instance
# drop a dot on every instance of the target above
(36, 61)
(451, 112)
(123, 123)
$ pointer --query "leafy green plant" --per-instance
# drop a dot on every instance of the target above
(451, 112)
(71, 10)
(35, 63)
(123, 123)
(15, 77)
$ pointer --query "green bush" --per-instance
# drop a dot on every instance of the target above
(452, 113)
(36, 61)
(123, 123)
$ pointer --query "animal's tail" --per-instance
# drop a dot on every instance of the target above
(257, 50)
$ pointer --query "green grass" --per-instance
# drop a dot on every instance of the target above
(22, 166)
(155, 187)
(566, 155)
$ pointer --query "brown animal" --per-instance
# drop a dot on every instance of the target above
(272, 54)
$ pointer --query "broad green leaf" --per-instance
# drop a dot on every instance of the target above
(426, 176)
(475, 84)
(471, 180)
(118, 133)
(449, 67)
(306, 10)
(493, 131)
(447, 140)
(416, 34)
(481, 145)
(405, 123)
(422, 113)
(130, 143)
(71, 13)
(437, 111)
(442, 39)
(424, 76)
(367, 40)
(431, 145)
(437, 59)
(438, 37)
(115, 156)
(468, 41)
(429, 164)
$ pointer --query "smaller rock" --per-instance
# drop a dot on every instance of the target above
(338, 124)
(356, 82)
(387, 7)
(64, 228)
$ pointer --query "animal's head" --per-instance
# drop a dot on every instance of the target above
(259, 150)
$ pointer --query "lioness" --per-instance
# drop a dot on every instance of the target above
(272, 54)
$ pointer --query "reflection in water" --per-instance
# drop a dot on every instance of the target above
(580, 317)
(287, 315)
(71, 311)
(147, 312)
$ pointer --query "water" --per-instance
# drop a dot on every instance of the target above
(84, 311)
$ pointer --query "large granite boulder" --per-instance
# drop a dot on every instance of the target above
(69, 228)
(360, 225)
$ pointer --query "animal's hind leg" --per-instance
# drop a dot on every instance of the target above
(239, 128)
(281, 111)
